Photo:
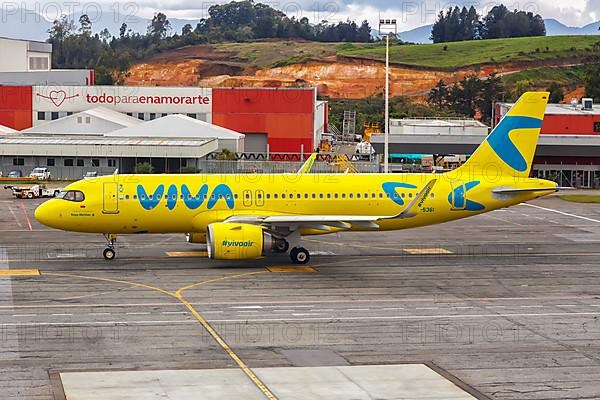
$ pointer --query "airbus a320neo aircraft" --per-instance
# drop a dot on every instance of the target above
(247, 216)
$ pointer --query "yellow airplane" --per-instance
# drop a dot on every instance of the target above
(247, 216)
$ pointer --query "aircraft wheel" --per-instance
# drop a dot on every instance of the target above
(30, 195)
(299, 255)
(282, 246)
(109, 253)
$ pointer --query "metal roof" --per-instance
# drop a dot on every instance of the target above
(177, 126)
(564, 109)
(100, 141)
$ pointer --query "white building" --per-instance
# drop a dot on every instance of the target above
(24, 55)
(5, 130)
(95, 121)
(183, 127)
(102, 140)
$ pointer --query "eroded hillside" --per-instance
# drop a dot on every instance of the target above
(287, 64)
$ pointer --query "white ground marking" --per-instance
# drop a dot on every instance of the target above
(562, 212)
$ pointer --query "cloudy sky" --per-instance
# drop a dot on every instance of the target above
(410, 14)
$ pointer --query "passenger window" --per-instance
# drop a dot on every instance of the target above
(395, 195)
(135, 196)
(410, 195)
(126, 197)
(351, 195)
(320, 195)
(343, 195)
(381, 195)
(335, 195)
(268, 195)
(328, 195)
(306, 195)
(275, 195)
(314, 196)
(358, 195)
(283, 195)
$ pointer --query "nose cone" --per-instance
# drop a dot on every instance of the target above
(44, 214)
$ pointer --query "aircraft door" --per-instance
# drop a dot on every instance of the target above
(110, 198)
(247, 196)
(260, 198)
(458, 196)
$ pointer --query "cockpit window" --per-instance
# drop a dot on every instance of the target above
(74, 195)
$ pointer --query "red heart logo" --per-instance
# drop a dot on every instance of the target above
(57, 97)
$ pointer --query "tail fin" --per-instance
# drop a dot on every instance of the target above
(510, 147)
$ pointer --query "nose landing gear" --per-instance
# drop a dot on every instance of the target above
(109, 252)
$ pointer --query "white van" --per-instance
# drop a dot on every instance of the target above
(41, 173)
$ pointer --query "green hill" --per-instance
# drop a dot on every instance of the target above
(476, 52)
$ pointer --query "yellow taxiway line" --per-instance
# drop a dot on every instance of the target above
(18, 272)
(179, 296)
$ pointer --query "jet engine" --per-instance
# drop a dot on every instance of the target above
(233, 241)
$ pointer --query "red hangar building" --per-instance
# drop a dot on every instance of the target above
(275, 120)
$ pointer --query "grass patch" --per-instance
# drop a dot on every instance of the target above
(474, 52)
(268, 54)
(581, 198)
(543, 77)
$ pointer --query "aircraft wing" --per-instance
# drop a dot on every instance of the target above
(308, 164)
(325, 222)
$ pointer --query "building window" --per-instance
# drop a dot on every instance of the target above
(112, 162)
(41, 116)
(38, 63)
(597, 126)
(192, 116)
(88, 120)
(152, 116)
(69, 113)
(68, 162)
(141, 116)
(18, 161)
(163, 114)
(53, 115)
(95, 162)
(130, 114)
(79, 162)
(50, 162)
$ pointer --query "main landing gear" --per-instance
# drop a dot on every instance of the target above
(109, 252)
(299, 255)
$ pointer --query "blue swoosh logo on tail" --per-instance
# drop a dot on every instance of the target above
(501, 143)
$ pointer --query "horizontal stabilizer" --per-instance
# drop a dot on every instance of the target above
(529, 190)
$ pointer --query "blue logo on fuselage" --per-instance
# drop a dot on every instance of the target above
(458, 198)
(389, 188)
(221, 192)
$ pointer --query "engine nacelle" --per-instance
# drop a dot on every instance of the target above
(195, 237)
(233, 241)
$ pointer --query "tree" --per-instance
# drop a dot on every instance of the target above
(85, 25)
(143, 168)
(557, 94)
(438, 95)
(123, 30)
(492, 91)
(159, 27)
(591, 77)
(522, 86)
(502, 23)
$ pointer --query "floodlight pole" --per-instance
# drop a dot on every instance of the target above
(387, 23)
(386, 133)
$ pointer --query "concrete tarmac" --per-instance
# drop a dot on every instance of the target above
(505, 305)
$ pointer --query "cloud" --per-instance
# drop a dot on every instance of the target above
(410, 14)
